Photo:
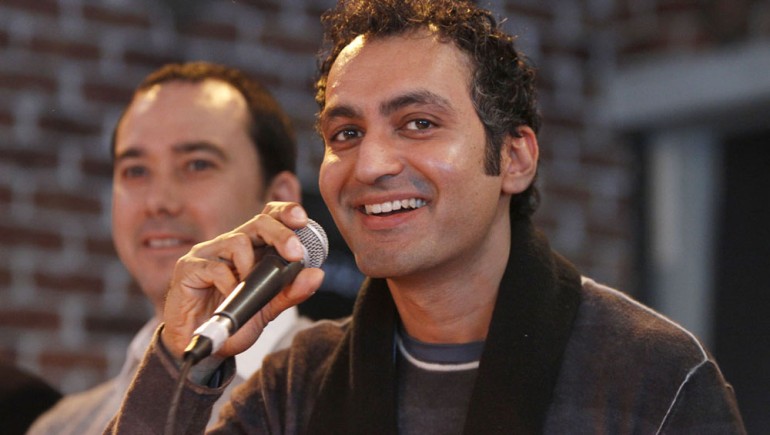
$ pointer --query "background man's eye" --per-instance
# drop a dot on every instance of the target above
(134, 172)
(199, 165)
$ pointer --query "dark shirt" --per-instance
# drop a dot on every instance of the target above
(23, 397)
(434, 385)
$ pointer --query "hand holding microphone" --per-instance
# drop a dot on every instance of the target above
(262, 284)
(214, 268)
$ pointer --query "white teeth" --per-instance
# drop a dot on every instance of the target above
(386, 207)
(163, 243)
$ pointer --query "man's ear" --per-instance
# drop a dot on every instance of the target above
(519, 159)
(285, 186)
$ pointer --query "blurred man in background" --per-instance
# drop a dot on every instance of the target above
(200, 148)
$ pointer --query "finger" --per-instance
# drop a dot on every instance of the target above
(236, 250)
(290, 214)
(264, 229)
(194, 273)
(233, 249)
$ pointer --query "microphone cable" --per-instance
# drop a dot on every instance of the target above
(187, 364)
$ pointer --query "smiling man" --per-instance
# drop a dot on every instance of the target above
(468, 322)
(200, 149)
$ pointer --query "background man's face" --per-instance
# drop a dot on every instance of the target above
(185, 171)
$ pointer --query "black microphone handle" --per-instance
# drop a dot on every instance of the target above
(271, 274)
(262, 284)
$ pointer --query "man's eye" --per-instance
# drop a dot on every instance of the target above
(419, 124)
(199, 165)
(134, 172)
(346, 134)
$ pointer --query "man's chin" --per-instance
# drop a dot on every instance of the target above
(155, 290)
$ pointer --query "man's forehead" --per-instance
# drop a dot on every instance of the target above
(190, 106)
(350, 51)
(429, 33)
(211, 93)
(178, 116)
(394, 51)
(371, 62)
(220, 94)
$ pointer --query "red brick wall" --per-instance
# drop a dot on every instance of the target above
(68, 308)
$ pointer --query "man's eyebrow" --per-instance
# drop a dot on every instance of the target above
(136, 152)
(204, 146)
(343, 111)
(130, 153)
(422, 97)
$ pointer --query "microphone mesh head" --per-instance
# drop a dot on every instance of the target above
(313, 238)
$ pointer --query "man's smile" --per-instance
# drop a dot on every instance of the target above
(167, 240)
(156, 243)
(391, 206)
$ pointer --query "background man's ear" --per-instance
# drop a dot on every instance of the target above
(520, 156)
(284, 187)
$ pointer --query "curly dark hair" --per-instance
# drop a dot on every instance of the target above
(503, 81)
(270, 128)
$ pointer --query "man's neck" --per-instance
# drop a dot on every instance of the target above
(454, 304)
(447, 318)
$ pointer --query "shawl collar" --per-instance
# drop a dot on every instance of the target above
(531, 323)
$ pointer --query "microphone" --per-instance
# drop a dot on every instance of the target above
(265, 280)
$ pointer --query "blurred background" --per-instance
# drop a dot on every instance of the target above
(655, 175)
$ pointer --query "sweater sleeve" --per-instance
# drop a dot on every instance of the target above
(146, 405)
(704, 404)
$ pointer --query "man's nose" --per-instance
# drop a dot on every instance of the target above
(378, 157)
(164, 197)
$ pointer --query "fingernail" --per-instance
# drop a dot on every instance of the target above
(296, 248)
(298, 213)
